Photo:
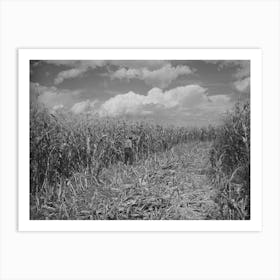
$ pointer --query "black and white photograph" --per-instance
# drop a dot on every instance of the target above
(139, 140)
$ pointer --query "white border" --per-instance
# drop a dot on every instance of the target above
(254, 55)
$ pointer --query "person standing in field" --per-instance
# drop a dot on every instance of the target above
(128, 152)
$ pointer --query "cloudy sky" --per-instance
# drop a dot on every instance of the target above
(179, 92)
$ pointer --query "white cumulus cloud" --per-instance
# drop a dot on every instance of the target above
(186, 98)
(83, 106)
(80, 107)
(161, 77)
(51, 97)
(58, 107)
(79, 68)
(242, 85)
(241, 75)
(158, 73)
(68, 74)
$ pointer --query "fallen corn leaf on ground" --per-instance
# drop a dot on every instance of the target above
(171, 185)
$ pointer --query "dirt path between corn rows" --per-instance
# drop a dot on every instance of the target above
(176, 179)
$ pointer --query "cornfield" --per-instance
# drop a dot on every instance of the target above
(230, 158)
(77, 161)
